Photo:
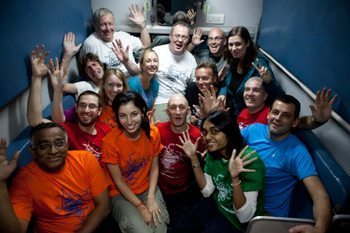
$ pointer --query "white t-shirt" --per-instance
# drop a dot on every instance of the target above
(85, 86)
(175, 72)
(94, 44)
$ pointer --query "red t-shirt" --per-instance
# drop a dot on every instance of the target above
(80, 140)
(245, 118)
(60, 201)
(175, 168)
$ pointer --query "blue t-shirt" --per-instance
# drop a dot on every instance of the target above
(149, 95)
(286, 162)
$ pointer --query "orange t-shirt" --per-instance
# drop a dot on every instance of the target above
(61, 201)
(133, 157)
(108, 117)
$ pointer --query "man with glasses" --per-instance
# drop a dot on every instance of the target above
(176, 68)
(176, 179)
(85, 134)
(60, 191)
(216, 43)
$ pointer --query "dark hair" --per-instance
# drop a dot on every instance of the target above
(288, 99)
(90, 93)
(181, 16)
(229, 127)
(251, 52)
(46, 125)
(213, 67)
(85, 59)
(139, 102)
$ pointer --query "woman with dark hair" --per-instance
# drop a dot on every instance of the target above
(246, 62)
(233, 179)
(131, 154)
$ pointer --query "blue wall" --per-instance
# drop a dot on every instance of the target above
(311, 39)
(25, 24)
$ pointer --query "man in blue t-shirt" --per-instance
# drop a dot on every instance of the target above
(287, 161)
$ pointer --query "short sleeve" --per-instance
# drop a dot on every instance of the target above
(156, 142)
(21, 198)
(109, 148)
(96, 176)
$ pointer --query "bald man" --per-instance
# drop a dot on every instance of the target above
(176, 179)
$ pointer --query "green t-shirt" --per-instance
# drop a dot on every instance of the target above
(251, 181)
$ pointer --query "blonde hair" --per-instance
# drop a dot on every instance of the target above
(106, 75)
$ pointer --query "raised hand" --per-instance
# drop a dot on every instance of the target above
(136, 15)
(322, 107)
(187, 146)
(197, 35)
(121, 53)
(237, 163)
(191, 14)
(263, 71)
(155, 211)
(37, 60)
(69, 46)
(6, 166)
(56, 74)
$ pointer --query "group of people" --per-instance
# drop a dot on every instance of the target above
(163, 145)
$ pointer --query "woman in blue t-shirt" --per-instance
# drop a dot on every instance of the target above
(146, 83)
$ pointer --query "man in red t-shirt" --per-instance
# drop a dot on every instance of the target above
(85, 134)
(256, 110)
(61, 190)
(176, 179)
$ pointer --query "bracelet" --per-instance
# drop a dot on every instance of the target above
(239, 182)
(196, 165)
(138, 205)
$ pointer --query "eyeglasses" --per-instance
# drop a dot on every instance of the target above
(181, 108)
(211, 39)
(45, 146)
(177, 37)
(85, 105)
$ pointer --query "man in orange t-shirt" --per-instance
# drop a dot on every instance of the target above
(64, 191)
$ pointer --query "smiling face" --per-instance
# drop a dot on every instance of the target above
(150, 63)
(94, 71)
(130, 118)
(112, 87)
(88, 110)
(237, 47)
(281, 119)
(216, 41)
(105, 28)
(204, 77)
(49, 148)
(179, 38)
(215, 139)
(254, 95)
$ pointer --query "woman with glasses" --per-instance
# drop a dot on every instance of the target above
(130, 152)
(232, 180)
